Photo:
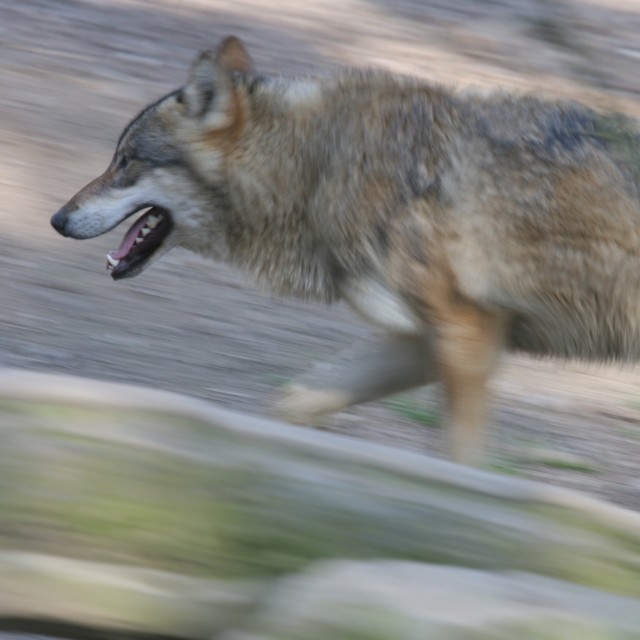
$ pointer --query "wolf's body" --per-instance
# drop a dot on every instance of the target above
(462, 225)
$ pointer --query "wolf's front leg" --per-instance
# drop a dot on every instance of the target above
(364, 372)
(469, 344)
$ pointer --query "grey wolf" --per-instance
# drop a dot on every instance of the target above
(461, 225)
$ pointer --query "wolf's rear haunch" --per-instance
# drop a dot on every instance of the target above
(461, 225)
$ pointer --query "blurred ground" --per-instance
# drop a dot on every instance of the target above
(74, 72)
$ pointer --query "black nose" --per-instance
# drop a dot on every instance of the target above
(59, 220)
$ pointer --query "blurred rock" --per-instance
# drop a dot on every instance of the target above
(136, 510)
(391, 600)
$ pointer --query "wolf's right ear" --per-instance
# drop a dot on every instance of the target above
(202, 85)
(232, 56)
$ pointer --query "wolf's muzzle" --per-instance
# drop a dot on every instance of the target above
(59, 221)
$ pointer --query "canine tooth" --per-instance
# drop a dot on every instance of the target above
(139, 240)
(112, 261)
(144, 231)
(152, 222)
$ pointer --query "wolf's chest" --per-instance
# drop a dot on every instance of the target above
(378, 304)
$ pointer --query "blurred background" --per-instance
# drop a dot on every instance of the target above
(73, 72)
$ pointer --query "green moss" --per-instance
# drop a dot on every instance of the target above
(414, 409)
(278, 380)
(583, 466)
(504, 468)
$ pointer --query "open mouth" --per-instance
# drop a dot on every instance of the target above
(143, 239)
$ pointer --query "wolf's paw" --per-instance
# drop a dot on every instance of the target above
(300, 405)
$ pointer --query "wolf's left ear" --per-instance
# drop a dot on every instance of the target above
(201, 87)
(210, 78)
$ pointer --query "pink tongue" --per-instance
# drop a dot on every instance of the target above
(130, 238)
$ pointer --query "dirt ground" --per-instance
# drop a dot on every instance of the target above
(73, 72)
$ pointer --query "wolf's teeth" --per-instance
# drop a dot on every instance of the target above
(112, 261)
(139, 240)
(144, 231)
(152, 222)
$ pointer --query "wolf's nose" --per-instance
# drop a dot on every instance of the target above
(59, 220)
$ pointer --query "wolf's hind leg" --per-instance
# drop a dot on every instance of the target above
(367, 371)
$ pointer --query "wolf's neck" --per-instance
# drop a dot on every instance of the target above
(311, 190)
(271, 231)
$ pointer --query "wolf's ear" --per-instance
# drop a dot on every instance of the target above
(210, 78)
(232, 56)
(204, 78)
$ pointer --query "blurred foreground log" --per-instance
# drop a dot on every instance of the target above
(126, 509)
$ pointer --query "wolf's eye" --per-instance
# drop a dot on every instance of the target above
(124, 162)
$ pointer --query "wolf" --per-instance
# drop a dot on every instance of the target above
(461, 225)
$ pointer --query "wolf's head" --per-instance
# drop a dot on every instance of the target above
(152, 172)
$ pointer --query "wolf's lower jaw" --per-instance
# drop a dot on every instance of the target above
(143, 239)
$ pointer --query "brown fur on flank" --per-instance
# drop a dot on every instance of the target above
(467, 224)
